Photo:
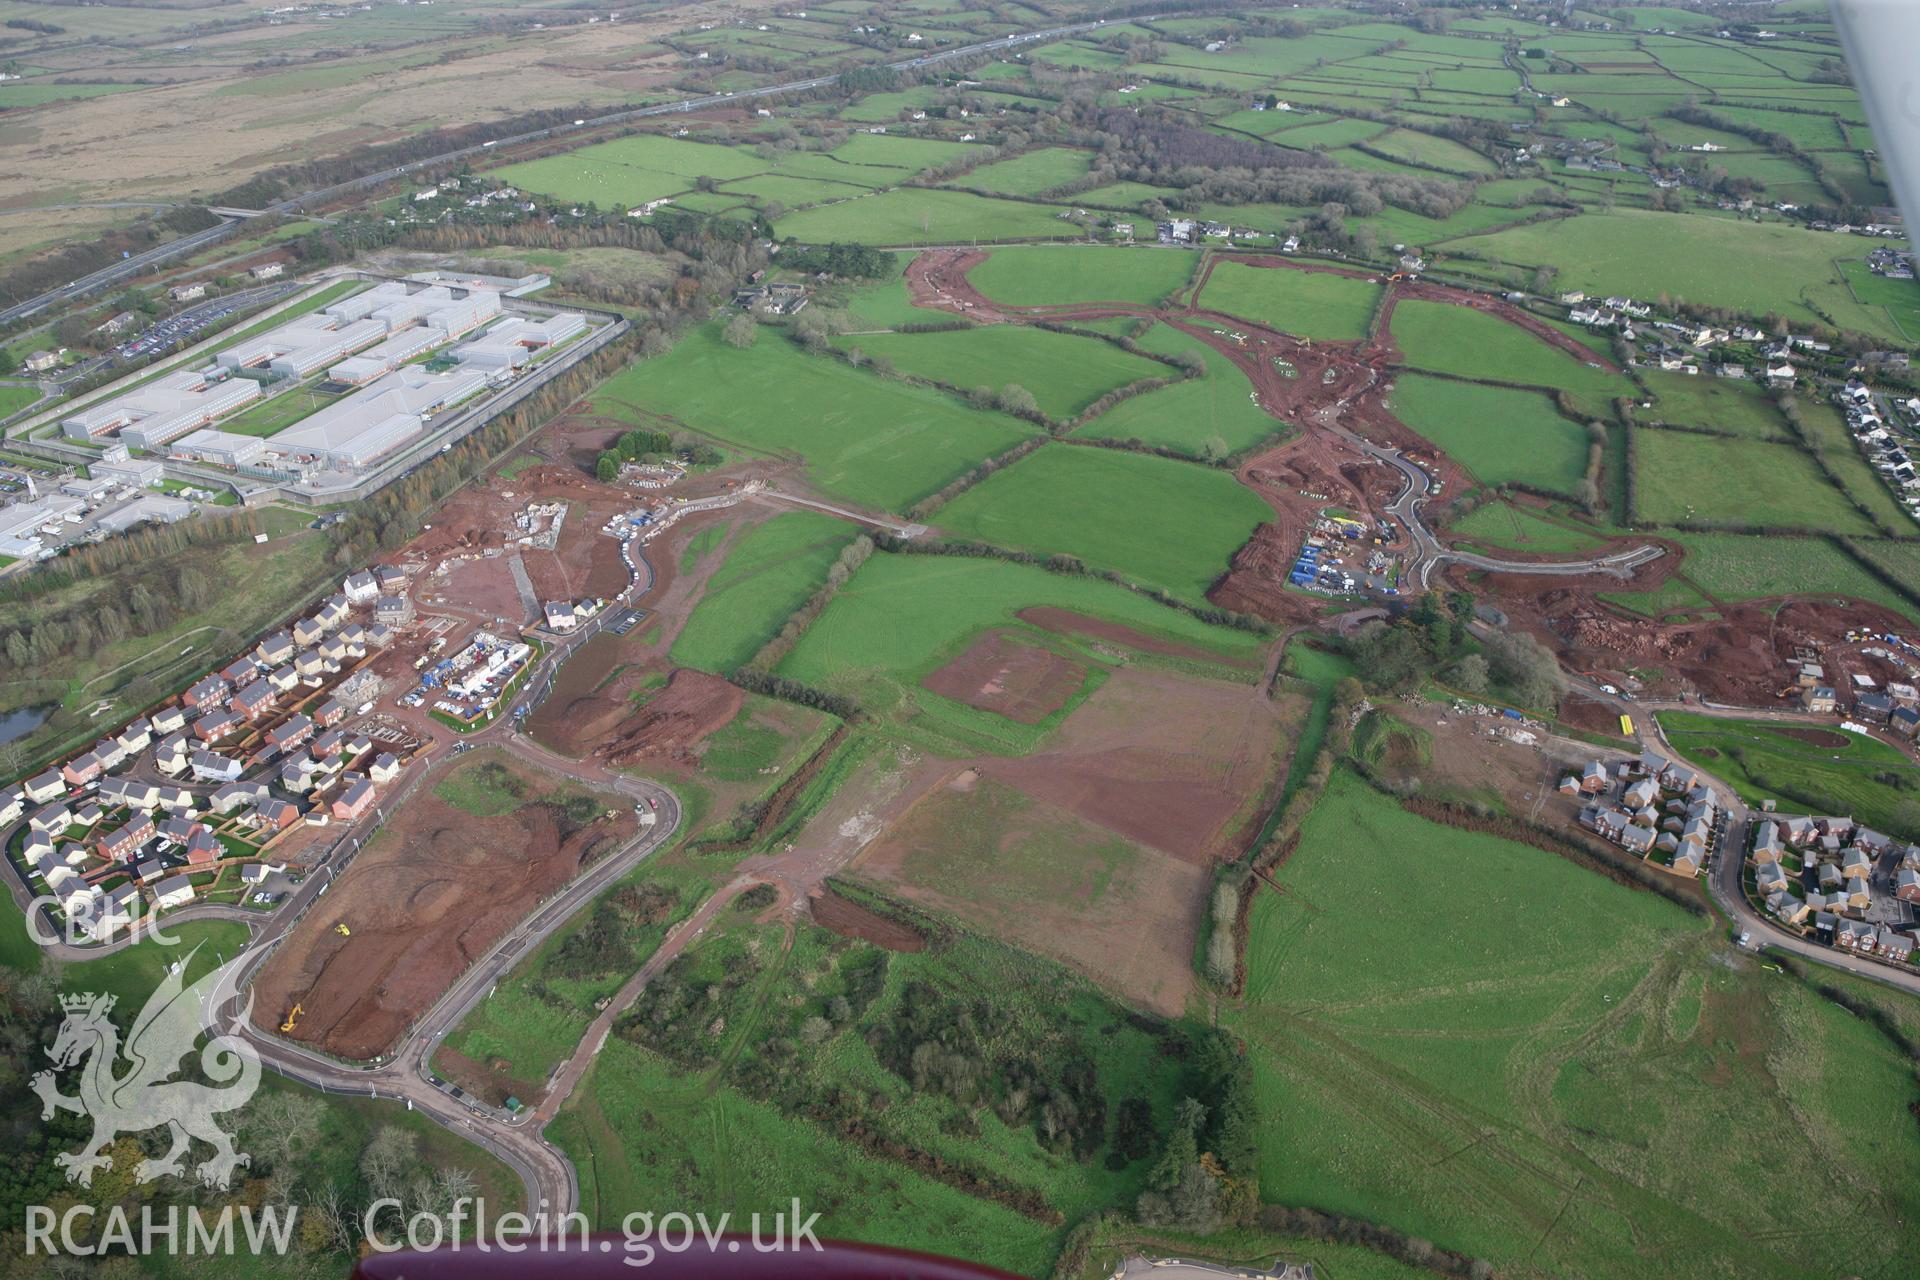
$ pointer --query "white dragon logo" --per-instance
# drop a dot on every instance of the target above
(146, 1096)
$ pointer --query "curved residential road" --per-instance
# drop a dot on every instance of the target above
(1724, 877)
(139, 263)
(547, 1176)
(1429, 553)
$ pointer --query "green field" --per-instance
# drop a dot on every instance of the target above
(1900, 561)
(1518, 528)
(1699, 259)
(1735, 566)
(1524, 1061)
(1311, 304)
(1502, 435)
(13, 399)
(768, 574)
(630, 171)
(1718, 404)
(1755, 483)
(722, 1109)
(1064, 372)
(1029, 174)
(903, 616)
(883, 444)
(1827, 433)
(1212, 414)
(924, 215)
(37, 94)
(1051, 275)
(1471, 344)
(269, 417)
(1156, 521)
(1874, 782)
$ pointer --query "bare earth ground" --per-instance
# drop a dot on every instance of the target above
(432, 892)
(670, 726)
(1163, 759)
(1002, 674)
(1047, 879)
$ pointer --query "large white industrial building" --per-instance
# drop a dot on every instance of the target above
(385, 357)
(222, 448)
(366, 341)
(511, 343)
(303, 346)
(163, 410)
(379, 418)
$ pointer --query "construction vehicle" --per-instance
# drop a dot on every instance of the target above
(342, 930)
(292, 1014)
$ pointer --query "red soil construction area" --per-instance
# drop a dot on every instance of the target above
(999, 673)
(670, 726)
(587, 699)
(431, 894)
(849, 919)
(1747, 653)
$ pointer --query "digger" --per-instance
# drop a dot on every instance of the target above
(293, 1015)
(342, 929)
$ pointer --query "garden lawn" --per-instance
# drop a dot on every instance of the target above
(1472, 1040)
(1500, 434)
(1312, 304)
(1064, 372)
(1471, 344)
(879, 443)
(1156, 521)
(1049, 275)
(1212, 413)
(769, 573)
(1684, 478)
(925, 215)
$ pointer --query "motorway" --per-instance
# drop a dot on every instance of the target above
(140, 263)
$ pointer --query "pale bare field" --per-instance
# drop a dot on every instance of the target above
(224, 114)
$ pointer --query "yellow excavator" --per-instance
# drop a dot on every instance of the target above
(342, 930)
(292, 1015)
